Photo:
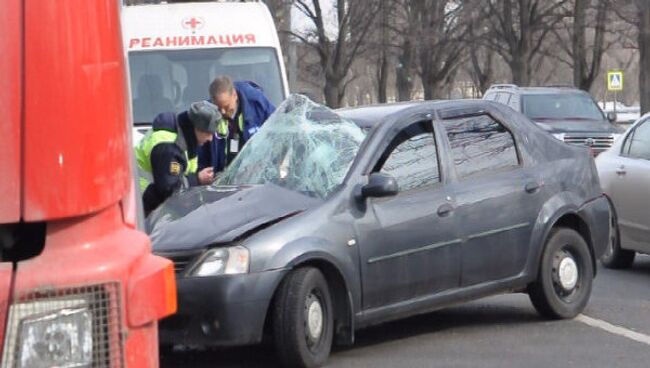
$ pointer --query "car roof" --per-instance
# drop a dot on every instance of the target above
(550, 90)
(536, 90)
(369, 116)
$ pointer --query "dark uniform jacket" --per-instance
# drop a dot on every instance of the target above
(255, 107)
(165, 180)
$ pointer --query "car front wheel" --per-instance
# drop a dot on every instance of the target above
(303, 319)
(564, 282)
(615, 257)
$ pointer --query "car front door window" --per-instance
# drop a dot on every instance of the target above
(639, 142)
(411, 158)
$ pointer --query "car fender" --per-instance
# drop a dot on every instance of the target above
(320, 253)
(552, 210)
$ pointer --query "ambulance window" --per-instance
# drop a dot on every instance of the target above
(170, 80)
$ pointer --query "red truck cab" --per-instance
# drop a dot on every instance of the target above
(78, 283)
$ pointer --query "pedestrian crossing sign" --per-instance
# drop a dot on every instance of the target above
(614, 80)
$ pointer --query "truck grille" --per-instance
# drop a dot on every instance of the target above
(101, 302)
(181, 260)
(597, 144)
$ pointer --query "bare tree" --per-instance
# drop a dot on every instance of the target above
(383, 51)
(337, 54)
(581, 40)
(404, 28)
(481, 58)
(517, 31)
(442, 31)
(644, 53)
(636, 13)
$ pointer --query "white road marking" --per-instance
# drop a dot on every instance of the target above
(616, 330)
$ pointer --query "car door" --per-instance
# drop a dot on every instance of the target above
(631, 189)
(497, 200)
(408, 243)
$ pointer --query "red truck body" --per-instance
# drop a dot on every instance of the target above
(66, 165)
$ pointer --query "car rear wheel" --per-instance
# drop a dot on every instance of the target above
(563, 286)
(615, 257)
(303, 319)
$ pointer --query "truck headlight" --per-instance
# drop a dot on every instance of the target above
(559, 136)
(57, 339)
(222, 261)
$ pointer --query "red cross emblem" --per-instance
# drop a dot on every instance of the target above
(193, 23)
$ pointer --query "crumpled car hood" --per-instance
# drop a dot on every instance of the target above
(203, 216)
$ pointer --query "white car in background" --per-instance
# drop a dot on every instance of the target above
(624, 172)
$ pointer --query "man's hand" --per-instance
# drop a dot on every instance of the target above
(206, 176)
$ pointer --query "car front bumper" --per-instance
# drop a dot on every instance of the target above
(223, 310)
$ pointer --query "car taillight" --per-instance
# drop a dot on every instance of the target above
(71, 327)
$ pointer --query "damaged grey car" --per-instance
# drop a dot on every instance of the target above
(331, 221)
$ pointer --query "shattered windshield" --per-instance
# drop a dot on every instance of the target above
(303, 147)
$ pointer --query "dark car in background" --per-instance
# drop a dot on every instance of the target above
(569, 114)
(328, 222)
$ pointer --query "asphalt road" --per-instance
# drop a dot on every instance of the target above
(501, 331)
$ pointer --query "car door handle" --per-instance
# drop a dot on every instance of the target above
(532, 187)
(445, 210)
(621, 170)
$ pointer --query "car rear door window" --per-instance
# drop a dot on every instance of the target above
(412, 157)
(503, 98)
(638, 143)
(480, 145)
(490, 96)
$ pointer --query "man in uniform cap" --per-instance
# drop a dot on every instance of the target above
(167, 155)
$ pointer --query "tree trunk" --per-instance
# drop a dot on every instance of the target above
(382, 68)
(332, 91)
(404, 72)
(578, 42)
(382, 79)
(644, 55)
(520, 71)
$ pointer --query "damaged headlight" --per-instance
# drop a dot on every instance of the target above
(222, 261)
(62, 339)
(49, 333)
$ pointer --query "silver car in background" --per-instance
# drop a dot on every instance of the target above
(624, 172)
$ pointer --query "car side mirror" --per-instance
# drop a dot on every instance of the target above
(380, 185)
(611, 116)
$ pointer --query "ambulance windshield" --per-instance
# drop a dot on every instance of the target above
(170, 80)
(303, 146)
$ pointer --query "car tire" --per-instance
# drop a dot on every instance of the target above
(303, 319)
(615, 257)
(564, 282)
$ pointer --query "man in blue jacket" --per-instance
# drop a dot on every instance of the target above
(244, 108)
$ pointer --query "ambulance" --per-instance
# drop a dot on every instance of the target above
(175, 50)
